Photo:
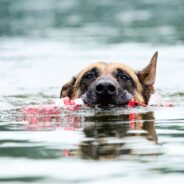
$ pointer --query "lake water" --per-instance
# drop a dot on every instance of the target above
(43, 44)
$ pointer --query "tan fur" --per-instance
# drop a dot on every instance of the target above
(107, 69)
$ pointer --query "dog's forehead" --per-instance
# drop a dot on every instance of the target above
(109, 68)
(120, 66)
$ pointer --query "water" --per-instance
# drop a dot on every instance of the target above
(42, 45)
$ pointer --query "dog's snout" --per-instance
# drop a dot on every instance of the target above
(106, 88)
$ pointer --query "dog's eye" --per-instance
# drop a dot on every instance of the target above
(124, 77)
(89, 76)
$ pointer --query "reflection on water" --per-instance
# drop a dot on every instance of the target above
(106, 135)
(132, 134)
(74, 138)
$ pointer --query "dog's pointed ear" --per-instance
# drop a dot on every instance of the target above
(148, 74)
(68, 88)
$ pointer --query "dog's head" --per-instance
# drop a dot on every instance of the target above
(112, 84)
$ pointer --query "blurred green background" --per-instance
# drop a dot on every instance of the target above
(101, 21)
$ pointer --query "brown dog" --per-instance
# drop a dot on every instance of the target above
(115, 84)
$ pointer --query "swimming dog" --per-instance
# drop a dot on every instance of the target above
(112, 84)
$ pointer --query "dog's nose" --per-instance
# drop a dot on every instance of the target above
(105, 88)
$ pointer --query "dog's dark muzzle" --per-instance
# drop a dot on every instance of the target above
(106, 91)
(105, 87)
